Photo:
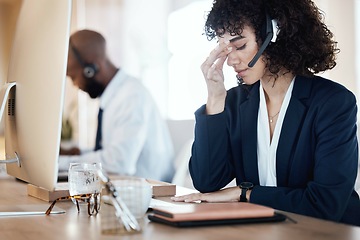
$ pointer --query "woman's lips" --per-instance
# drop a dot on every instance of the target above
(241, 73)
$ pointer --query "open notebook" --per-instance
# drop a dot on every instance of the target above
(202, 214)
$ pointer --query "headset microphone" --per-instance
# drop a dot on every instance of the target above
(89, 69)
(271, 33)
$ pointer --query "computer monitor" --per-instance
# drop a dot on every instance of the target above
(34, 106)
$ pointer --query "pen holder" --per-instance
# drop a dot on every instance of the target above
(136, 194)
(110, 223)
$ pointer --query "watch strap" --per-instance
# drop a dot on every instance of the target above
(243, 195)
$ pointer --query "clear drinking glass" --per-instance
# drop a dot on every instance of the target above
(83, 179)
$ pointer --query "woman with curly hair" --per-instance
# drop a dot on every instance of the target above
(287, 136)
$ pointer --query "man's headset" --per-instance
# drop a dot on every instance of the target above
(89, 69)
(271, 32)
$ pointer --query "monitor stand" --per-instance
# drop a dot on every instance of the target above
(4, 94)
(23, 209)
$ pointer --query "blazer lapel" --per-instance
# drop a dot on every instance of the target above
(248, 118)
(291, 129)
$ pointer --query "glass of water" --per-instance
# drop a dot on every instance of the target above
(83, 179)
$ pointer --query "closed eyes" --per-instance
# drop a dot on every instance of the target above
(241, 47)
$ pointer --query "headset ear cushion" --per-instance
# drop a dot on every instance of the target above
(275, 29)
(90, 70)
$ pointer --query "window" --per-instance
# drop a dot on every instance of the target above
(189, 49)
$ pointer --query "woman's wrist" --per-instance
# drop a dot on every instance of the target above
(248, 193)
(215, 105)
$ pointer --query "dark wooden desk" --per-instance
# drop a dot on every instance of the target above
(72, 225)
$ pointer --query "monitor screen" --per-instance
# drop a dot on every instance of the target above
(34, 106)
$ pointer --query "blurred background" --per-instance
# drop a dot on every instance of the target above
(161, 43)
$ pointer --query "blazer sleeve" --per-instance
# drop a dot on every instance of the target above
(209, 165)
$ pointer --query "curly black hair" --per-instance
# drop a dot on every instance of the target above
(304, 46)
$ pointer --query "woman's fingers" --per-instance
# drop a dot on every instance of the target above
(230, 194)
(212, 70)
(193, 197)
(216, 58)
(215, 71)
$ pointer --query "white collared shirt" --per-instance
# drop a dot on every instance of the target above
(266, 150)
(135, 138)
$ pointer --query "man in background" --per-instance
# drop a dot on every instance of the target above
(132, 138)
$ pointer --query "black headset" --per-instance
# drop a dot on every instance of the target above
(89, 69)
(267, 35)
(270, 26)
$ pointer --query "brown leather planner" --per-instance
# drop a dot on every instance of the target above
(197, 214)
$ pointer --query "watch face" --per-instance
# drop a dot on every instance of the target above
(247, 185)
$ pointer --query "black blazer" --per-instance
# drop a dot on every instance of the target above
(317, 154)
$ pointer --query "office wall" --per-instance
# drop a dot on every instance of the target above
(340, 16)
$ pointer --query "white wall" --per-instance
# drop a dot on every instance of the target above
(340, 18)
(356, 51)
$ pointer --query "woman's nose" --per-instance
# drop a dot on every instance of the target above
(232, 59)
